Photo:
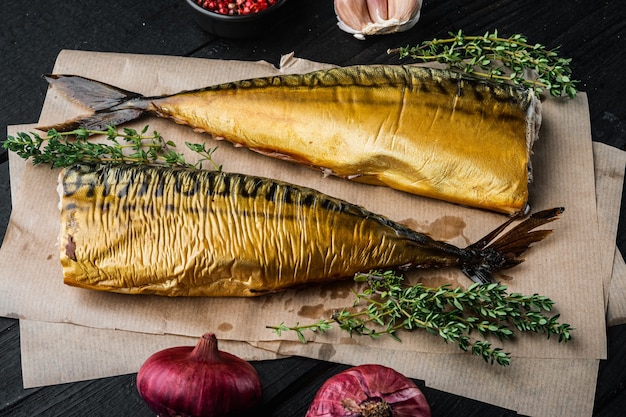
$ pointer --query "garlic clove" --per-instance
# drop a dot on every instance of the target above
(378, 10)
(376, 17)
(351, 14)
(404, 10)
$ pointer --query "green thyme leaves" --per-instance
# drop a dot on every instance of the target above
(499, 59)
(465, 317)
(61, 149)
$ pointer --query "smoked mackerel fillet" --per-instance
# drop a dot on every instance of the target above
(425, 131)
(183, 232)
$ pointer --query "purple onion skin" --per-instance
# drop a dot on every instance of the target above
(199, 381)
(363, 383)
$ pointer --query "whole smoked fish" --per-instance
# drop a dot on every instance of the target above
(180, 232)
(425, 131)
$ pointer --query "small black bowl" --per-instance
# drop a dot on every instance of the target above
(236, 26)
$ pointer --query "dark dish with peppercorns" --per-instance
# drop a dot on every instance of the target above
(238, 7)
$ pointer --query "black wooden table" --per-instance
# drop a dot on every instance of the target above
(591, 32)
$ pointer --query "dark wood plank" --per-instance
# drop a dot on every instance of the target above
(611, 387)
(11, 391)
(5, 199)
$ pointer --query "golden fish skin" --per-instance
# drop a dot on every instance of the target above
(425, 131)
(178, 232)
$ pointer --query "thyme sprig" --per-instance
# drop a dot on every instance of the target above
(61, 149)
(499, 59)
(388, 305)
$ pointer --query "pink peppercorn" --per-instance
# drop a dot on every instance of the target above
(235, 7)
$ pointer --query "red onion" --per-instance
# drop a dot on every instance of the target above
(369, 391)
(199, 381)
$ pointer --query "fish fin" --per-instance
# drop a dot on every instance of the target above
(92, 94)
(97, 121)
(110, 105)
(496, 251)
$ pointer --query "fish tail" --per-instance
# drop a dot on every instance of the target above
(111, 106)
(497, 251)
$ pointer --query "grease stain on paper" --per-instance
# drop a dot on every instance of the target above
(326, 352)
(337, 290)
(347, 341)
(225, 327)
(266, 300)
(444, 228)
(288, 304)
(504, 277)
(311, 312)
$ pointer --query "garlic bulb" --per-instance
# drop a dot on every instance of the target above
(376, 17)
